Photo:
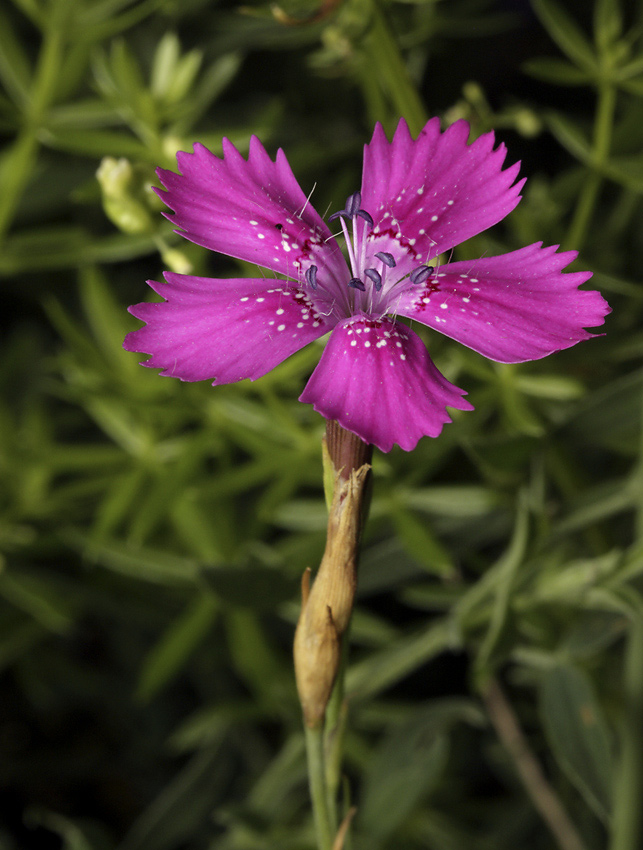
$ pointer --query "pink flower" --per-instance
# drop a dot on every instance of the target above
(375, 377)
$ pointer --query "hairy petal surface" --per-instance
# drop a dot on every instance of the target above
(223, 330)
(253, 210)
(429, 194)
(376, 378)
(511, 308)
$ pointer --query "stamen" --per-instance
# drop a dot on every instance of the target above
(356, 283)
(353, 203)
(375, 276)
(421, 274)
(386, 258)
(311, 277)
(352, 209)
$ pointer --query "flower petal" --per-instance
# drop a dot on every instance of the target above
(427, 195)
(253, 210)
(224, 330)
(377, 380)
(515, 307)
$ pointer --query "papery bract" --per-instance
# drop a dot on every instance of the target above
(418, 199)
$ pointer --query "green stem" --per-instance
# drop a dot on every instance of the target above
(543, 796)
(334, 726)
(324, 828)
(385, 60)
(603, 126)
(19, 161)
(628, 821)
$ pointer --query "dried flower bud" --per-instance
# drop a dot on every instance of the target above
(326, 609)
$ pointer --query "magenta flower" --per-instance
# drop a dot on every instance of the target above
(375, 377)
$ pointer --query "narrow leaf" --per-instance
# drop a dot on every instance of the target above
(176, 645)
(565, 32)
(576, 730)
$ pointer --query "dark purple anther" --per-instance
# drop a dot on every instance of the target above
(386, 258)
(375, 276)
(353, 203)
(352, 209)
(421, 274)
(311, 277)
(356, 283)
(366, 216)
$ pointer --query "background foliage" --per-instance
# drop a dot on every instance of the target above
(153, 533)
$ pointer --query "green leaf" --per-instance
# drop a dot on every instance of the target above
(258, 588)
(505, 569)
(608, 23)
(383, 669)
(253, 658)
(578, 735)
(139, 562)
(451, 501)
(15, 70)
(72, 836)
(556, 71)
(421, 543)
(106, 318)
(181, 639)
(407, 765)
(610, 416)
(36, 597)
(164, 63)
(97, 143)
(626, 170)
(183, 805)
(567, 35)
(555, 387)
(570, 137)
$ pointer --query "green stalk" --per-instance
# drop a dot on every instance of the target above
(628, 821)
(627, 832)
(334, 726)
(321, 637)
(19, 161)
(603, 127)
(324, 829)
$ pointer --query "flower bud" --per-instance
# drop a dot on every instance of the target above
(127, 199)
(326, 609)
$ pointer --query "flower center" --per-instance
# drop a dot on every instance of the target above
(372, 288)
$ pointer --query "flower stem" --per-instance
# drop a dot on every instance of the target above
(346, 451)
(324, 826)
(20, 159)
(542, 794)
(628, 818)
(321, 637)
(603, 126)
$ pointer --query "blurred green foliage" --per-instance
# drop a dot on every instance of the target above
(153, 533)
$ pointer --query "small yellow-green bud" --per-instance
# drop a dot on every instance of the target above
(127, 196)
(528, 124)
(176, 261)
